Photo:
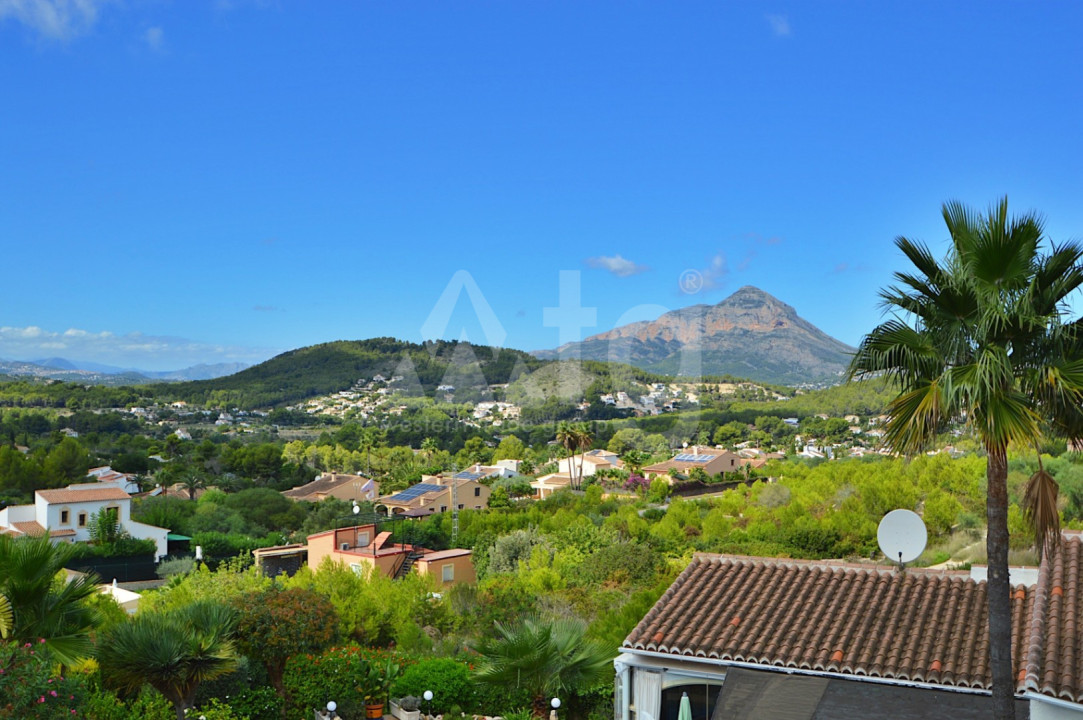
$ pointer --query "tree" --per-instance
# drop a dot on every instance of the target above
(980, 336)
(193, 481)
(634, 460)
(544, 657)
(510, 448)
(66, 463)
(42, 604)
(278, 624)
(573, 437)
(173, 651)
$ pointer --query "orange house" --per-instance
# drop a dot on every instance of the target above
(364, 546)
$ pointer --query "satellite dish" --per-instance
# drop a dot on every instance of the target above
(902, 536)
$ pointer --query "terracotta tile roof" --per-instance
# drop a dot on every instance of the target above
(88, 495)
(919, 626)
(325, 483)
(1054, 660)
(31, 528)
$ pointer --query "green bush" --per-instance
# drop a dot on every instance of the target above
(257, 702)
(175, 566)
(337, 674)
(220, 545)
(148, 705)
(312, 680)
(30, 686)
(449, 681)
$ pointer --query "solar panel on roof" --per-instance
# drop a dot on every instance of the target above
(415, 491)
(467, 475)
(689, 457)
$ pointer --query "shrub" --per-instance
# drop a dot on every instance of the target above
(148, 705)
(337, 674)
(30, 687)
(311, 680)
(218, 710)
(175, 566)
(257, 702)
(277, 624)
(449, 681)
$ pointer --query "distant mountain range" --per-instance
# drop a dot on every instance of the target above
(57, 368)
(750, 334)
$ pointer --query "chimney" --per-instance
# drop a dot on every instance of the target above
(695, 451)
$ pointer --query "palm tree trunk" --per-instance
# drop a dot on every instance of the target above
(998, 588)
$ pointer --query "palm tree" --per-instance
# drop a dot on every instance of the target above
(193, 481)
(585, 440)
(980, 336)
(568, 438)
(573, 437)
(543, 657)
(41, 603)
(173, 652)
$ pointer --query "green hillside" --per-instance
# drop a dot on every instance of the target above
(329, 367)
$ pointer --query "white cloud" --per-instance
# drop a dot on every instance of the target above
(148, 352)
(617, 265)
(780, 25)
(155, 38)
(715, 273)
(54, 19)
(711, 277)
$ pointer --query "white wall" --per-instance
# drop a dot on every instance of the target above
(149, 532)
(1041, 710)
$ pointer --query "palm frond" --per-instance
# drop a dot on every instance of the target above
(1039, 505)
(914, 418)
(7, 617)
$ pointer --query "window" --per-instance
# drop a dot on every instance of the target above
(447, 572)
(65, 517)
(82, 519)
(461, 506)
(443, 508)
(363, 540)
(356, 567)
(702, 694)
(477, 492)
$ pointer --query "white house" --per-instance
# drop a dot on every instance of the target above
(592, 461)
(66, 514)
(108, 477)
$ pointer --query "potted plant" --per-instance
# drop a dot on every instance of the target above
(406, 708)
(375, 682)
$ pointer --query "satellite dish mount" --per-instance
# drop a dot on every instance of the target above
(902, 536)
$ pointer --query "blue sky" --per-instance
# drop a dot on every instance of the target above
(216, 181)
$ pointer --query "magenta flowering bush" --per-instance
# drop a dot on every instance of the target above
(637, 483)
(31, 687)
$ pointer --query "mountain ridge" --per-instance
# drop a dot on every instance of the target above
(749, 334)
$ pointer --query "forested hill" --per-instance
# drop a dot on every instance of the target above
(334, 366)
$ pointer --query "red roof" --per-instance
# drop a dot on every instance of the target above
(90, 494)
(1054, 656)
(871, 621)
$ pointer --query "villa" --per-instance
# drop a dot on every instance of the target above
(66, 514)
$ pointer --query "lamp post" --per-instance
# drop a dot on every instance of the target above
(554, 703)
(427, 695)
(330, 713)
